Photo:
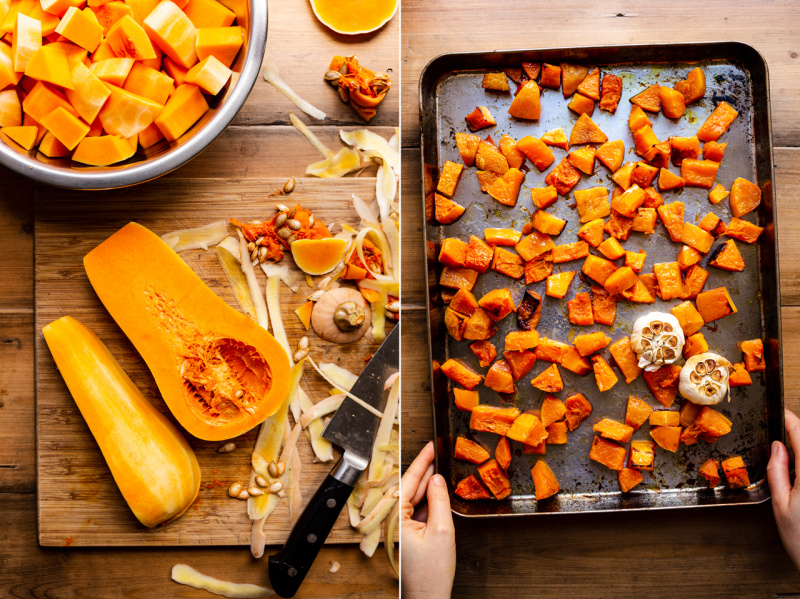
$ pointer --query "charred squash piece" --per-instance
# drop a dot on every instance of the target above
(585, 131)
(603, 373)
(669, 278)
(580, 310)
(672, 217)
(447, 211)
(714, 151)
(580, 104)
(536, 151)
(637, 412)
(506, 188)
(464, 302)
(549, 381)
(453, 252)
(497, 303)
(693, 87)
(648, 99)
(583, 159)
(658, 156)
(570, 251)
(457, 278)
(484, 350)
(626, 359)
(539, 268)
(712, 224)
(717, 122)
(455, 323)
(563, 177)
(479, 326)
(492, 420)
(556, 138)
(643, 455)
(558, 285)
(715, 304)
(519, 362)
(604, 306)
(502, 453)
(740, 377)
(551, 76)
(699, 173)
(545, 483)
(745, 197)
(736, 472)
(753, 351)
(529, 311)
(469, 451)
(521, 340)
(578, 410)
(466, 400)
(495, 479)
(696, 278)
(695, 344)
(695, 237)
(607, 453)
(628, 478)
(611, 154)
(684, 147)
(667, 437)
(550, 350)
(451, 172)
(543, 197)
(727, 257)
(499, 378)
(456, 371)
(592, 232)
(470, 488)
(743, 230)
(710, 471)
(526, 104)
(575, 362)
(592, 203)
(534, 244)
(479, 255)
(467, 147)
(663, 383)
(673, 104)
(598, 269)
(528, 429)
(553, 410)
(480, 118)
(611, 93)
(611, 429)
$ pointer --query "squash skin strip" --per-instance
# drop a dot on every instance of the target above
(323, 448)
(321, 408)
(365, 140)
(237, 280)
(358, 400)
(315, 141)
(382, 437)
(340, 376)
(272, 77)
(186, 575)
(262, 316)
(197, 238)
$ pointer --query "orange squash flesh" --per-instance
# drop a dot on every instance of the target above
(223, 43)
(201, 352)
(544, 481)
(152, 464)
(173, 32)
(184, 108)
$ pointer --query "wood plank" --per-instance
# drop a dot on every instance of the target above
(33, 571)
(302, 49)
(74, 483)
(787, 192)
(433, 28)
(16, 251)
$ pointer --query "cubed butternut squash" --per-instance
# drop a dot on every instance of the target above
(592, 231)
(563, 177)
(497, 303)
(607, 453)
(536, 151)
(583, 159)
(717, 122)
(611, 429)
(699, 173)
(543, 197)
(492, 420)
(710, 471)
(743, 230)
(598, 269)
(103, 150)
(480, 118)
(611, 154)
(465, 399)
(740, 377)
(224, 42)
(673, 104)
(667, 437)
(527, 103)
(479, 253)
(580, 310)
(183, 109)
(528, 429)
(547, 223)
(451, 172)
(533, 245)
(604, 306)
(575, 362)
(470, 488)
(736, 472)
(556, 138)
(649, 99)
(545, 483)
(753, 351)
(570, 251)
(663, 383)
(499, 378)
(715, 304)
(744, 197)
(453, 252)
(549, 381)
(495, 479)
(611, 93)
(637, 413)
(508, 263)
(727, 257)
(519, 362)
(558, 285)
(603, 373)
(665, 418)
(586, 131)
(670, 282)
(457, 371)
(625, 358)
(592, 203)
(484, 350)
(578, 410)
(470, 451)
(508, 148)
(643, 455)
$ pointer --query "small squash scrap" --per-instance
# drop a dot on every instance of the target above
(495, 479)
(528, 429)
(625, 358)
(643, 455)
(745, 197)
(484, 350)
(456, 371)
(563, 177)
(579, 310)
(714, 304)
(604, 306)
(585, 131)
(558, 285)
(736, 472)
(592, 203)
(753, 351)
(603, 373)
(717, 122)
(153, 465)
(304, 314)
(536, 151)
(663, 383)
(578, 410)
(743, 230)
(526, 104)
(710, 471)
(611, 429)
(492, 420)
(637, 412)
(727, 257)
(499, 378)
(469, 451)
(607, 453)
(545, 483)
(465, 399)
(201, 352)
(470, 488)
(628, 478)
(480, 118)
(498, 303)
(468, 147)
(448, 180)
(549, 381)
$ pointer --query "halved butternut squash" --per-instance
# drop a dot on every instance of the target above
(201, 351)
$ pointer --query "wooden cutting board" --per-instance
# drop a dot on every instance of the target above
(79, 503)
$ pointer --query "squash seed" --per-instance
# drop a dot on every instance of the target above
(243, 495)
(276, 487)
(303, 344)
(282, 207)
(235, 489)
(293, 224)
(227, 448)
(261, 481)
(276, 468)
(300, 354)
(289, 186)
(255, 491)
(280, 220)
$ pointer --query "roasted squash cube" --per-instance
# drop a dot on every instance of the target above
(539, 268)
(663, 383)
(585, 131)
(684, 147)
(547, 223)
(545, 483)
(556, 138)
(717, 122)
(714, 151)
(743, 230)
(688, 413)
(628, 479)
(558, 285)
(557, 433)
(549, 381)
(484, 350)
(502, 236)
(534, 244)
(550, 350)
(465, 399)
(715, 304)
(457, 371)
(551, 76)
(625, 358)
(529, 311)
(570, 251)
(745, 197)
(464, 302)
(498, 303)
(710, 471)
(598, 269)
(611, 249)
(592, 232)
(611, 154)
(693, 87)
(519, 362)
(736, 472)
(495, 82)
(669, 278)
(695, 344)
(673, 104)
(480, 118)
(668, 180)
(563, 177)
(583, 159)
(527, 429)
(740, 377)
(688, 317)
(604, 306)
(467, 147)
(611, 93)
(665, 418)
(637, 412)
(753, 351)
(672, 217)
(643, 455)
(553, 410)
(699, 173)
(620, 280)
(644, 174)
(648, 99)
(457, 278)
(490, 419)
(502, 453)
(575, 362)
(453, 252)
(719, 193)
(479, 326)
(499, 378)
(508, 263)
(578, 410)
(607, 453)
(592, 203)
(479, 255)
(693, 283)
(470, 488)
(580, 104)
(536, 151)
(526, 104)
(469, 451)
(448, 180)
(580, 310)
(667, 437)
(495, 479)
(635, 260)
(447, 211)
(490, 158)
(455, 323)
(544, 196)
(727, 257)
(628, 202)
(644, 221)
(603, 373)
(638, 119)
(611, 429)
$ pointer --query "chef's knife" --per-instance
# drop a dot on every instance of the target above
(352, 428)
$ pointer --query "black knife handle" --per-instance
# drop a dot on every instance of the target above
(289, 566)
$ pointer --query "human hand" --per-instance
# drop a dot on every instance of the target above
(785, 497)
(428, 537)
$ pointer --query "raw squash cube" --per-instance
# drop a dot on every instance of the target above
(149, 83)
(52, 148)
(211, 75)
(127, 38)
(103, 150)
(66, 127)
(26, 40)
(10, 109)
(208, 13)
(173, 32)
(89, 93)
(182, 110)
(127, 114)
(607, 453)
(49, 64)
(25, 136)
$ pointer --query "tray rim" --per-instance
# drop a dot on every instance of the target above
(777, 422)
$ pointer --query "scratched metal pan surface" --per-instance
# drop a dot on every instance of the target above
(450, 89)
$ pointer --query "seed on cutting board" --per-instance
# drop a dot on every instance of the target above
(289, 186)
(303, 343)
(280, 220)
(276, 468)
(255, 491)
(235, 489)
(276, 487)
(261, 481)
(284, 233)
(282, 207)
(228, 447)
(243, 495)
(293, 224)
(300, 354)
(258, 462)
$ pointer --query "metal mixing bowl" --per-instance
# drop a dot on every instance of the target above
(163, 157)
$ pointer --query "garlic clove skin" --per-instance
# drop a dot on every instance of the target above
(704, 379)
(657, 338)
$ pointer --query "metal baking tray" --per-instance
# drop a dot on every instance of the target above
(735, 72)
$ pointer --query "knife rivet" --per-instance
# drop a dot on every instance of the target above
(312, 538)
(331, 503)
(292, 572)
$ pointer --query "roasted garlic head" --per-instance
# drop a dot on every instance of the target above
(704, 379)
(657, 339)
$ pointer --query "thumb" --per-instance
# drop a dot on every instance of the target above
(440, 518)
(778, 471)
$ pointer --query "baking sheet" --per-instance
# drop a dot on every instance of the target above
(450, 89)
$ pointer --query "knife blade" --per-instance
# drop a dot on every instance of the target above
(353, 428)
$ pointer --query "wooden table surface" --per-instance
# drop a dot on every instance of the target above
(711, 552)
(259, 144)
